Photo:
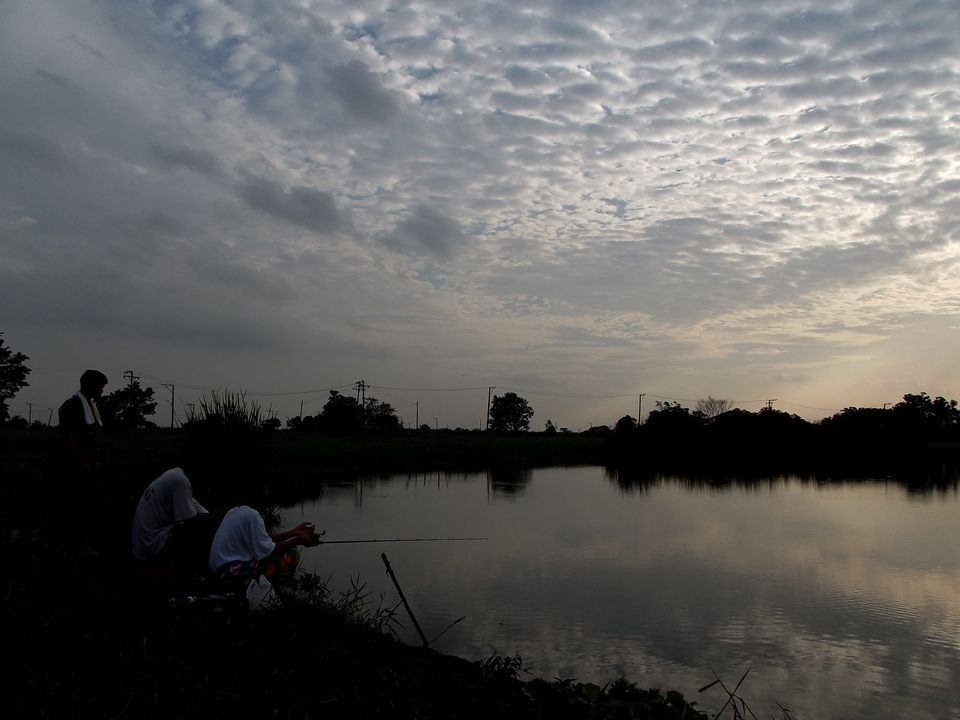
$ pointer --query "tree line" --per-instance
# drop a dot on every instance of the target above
(128, 408)
(712, 433)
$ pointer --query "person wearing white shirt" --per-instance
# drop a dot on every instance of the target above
(243, 549)
(167, 502)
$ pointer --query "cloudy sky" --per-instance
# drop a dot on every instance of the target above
(578, 201)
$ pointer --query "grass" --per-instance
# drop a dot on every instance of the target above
(228, 410)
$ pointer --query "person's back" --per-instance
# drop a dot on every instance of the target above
(243, 549)
(241, 538)
(167, 501)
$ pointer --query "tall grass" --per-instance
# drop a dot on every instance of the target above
(229, 451)
(227, 409)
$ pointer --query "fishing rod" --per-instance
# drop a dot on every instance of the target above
(365, 540)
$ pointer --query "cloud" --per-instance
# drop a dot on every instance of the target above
(202, 162)
(307, 207)
(427, 232)
(587, 180)
(358, 90)
(31, 150)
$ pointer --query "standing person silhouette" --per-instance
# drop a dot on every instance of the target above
(78, 489)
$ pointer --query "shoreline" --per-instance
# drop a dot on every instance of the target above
(90, 640)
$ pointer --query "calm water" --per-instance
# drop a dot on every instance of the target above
(844, 598)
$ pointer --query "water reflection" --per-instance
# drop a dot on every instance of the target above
(509, 481)
(636, 480)
(842, 596)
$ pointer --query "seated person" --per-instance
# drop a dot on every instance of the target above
(242, 549)
(169, 525)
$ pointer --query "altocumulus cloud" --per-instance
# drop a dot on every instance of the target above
(308, 207)
(427, 232)
(637, 186)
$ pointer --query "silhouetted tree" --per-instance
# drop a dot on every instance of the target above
(855, 426)
(922, 411)
(672, 417)
(381, 417)
(128, 407)
(343, 415)
(271, 423)
(340, 415)
(625, 425)
(597, 430)
(711, 407)
(550, 428)
(13, 376)
(510, 413)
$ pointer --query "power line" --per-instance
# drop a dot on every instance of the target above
(809, 407)
(299, 392)
(403, 389)
(541, 393)
(547, 393)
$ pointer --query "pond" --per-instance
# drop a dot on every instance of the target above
(842, 598)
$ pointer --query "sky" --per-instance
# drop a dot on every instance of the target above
(579, 202)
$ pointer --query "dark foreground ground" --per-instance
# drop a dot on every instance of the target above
(87, 639)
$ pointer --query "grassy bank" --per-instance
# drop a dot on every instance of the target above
(89, 639)
(91, 642)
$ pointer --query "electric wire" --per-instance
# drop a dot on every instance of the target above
(387, 389)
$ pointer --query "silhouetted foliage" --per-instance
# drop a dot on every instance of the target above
(340, 415)
(510, 413)
(597, 430)
(711, 407)
(381, 417)
(920, 411)
(625, 425)
(344, 415)
(128, 407)
(550, 428)
(272, 423)
(13, 376)
(228, 448)
(919, 437)
(673, 417)
(16, 423)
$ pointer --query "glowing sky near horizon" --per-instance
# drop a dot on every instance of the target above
(752, 200)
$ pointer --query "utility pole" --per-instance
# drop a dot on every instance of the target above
(29, 414)
(131, 378)
(770, 403)
(489, 392)
(362, 402)
(301, 410)
(50, 417)
(173, 397)
(640, 409)
(417, 426)
(436, 423)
